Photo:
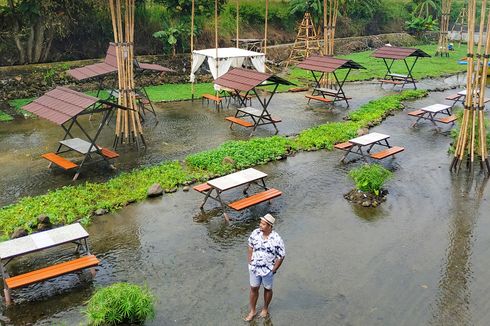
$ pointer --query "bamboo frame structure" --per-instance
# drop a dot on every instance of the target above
(330, 12)
(128, 123)
(306, 42)
(472, 134)
(461, 20)
(442, 49)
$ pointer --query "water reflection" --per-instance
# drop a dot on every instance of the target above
(452, 304)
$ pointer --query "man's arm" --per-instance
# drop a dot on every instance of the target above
(249, 254)
(277, 264)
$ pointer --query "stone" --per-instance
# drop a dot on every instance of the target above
(43, 226)
(171, 190)
(228, 160)
(18, 233)
(375, 204)
(101, 211)
(43, 219)
(155, 190)
(186, 188)
(362, 131)
(366, 203)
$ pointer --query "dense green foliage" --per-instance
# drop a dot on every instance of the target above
(120, 303)
(5, 117)
(71, 203)
(370, 177)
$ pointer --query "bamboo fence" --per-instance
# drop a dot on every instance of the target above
(442, 49)
(472, 138)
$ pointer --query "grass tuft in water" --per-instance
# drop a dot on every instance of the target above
(120, 303)
(370, 177)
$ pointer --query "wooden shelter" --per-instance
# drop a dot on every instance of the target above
(392, 53)
(248, 81)
(442, 46)
(328, 65)
(472, 137)
(64, 107)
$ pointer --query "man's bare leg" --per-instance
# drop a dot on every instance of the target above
(267, 301)
(254, 295)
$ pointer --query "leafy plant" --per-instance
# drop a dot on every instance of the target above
(417, 25)
(370, 177)
(120, 303)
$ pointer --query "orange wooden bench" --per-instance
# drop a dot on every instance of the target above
(255, 199)
(416, 113)
(454, 97)
(449, 119)
(318, 98)
(343, 146)
(217, 100)
(59, 161)
(297, 89)
(51, 272)
(239, 121)
(389, 81)
(203, 187)
(108, 153)
(387, 152)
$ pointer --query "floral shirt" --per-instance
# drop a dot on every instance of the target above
(265, 251)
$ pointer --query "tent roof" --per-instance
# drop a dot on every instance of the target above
(60, 104)
(327, 64)
(396, 53)
(227, 53)
(110, 66)
(246, 79)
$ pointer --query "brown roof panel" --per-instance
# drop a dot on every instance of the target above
(327, 64)
(246, 79)
(60, 104)
(397, 53)
(153, 67)
(90, 71)
(111, 57)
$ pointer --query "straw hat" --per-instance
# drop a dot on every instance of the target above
(269, 219)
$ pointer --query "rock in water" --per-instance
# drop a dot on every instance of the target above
(101, 211)
(43, 219)
(20, 232)
(155, 190)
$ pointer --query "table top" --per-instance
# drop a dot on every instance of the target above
(463, 92)
(236, 179)
(369, 139)
(434, 108)
(42, 240)
(251, 111)
(78, 145)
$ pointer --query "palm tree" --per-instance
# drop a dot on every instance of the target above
(426, 8)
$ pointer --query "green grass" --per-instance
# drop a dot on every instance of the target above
(120, 303)
(370, 177)
(78, 203)
(4, 117)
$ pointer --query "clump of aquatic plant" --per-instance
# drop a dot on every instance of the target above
(248, 153)
(120, 303)
(326, 135)
(370, 177)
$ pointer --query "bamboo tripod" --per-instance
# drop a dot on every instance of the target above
(442, 49)
(330, 11)
(306, 41)
(128, 123)
(472, 134)
(461, 21)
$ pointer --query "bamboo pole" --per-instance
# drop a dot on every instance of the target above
(237, 21)
(266, 25)
(192, 45)
(442, 49)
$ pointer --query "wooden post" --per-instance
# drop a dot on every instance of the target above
(192, 45)
(237, 21)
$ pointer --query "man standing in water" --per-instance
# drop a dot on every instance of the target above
(266, 253)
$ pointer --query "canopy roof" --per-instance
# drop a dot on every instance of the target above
(110, 66)
(60, 105)
(397, 53)
(327, 64)
(227, 53)
(246, 79)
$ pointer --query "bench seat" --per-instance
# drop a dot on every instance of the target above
(319, 98)
(416, 113)
(59, 161)
(212, 98)
(389, 81)
(387, 152)
(108, 153)
(298, 89)
(51, 272)
(203, 187)
(449, 119)
(239, 121)
(343, 146)
(454, 97)
(255, 199)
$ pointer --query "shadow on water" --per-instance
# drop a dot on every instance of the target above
(452, 303)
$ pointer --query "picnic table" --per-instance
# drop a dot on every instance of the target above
(73, 233)
(245, 178)
(460, 97)
(432, 113)
(363, 145)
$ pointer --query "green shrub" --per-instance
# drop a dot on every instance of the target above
(120, 303)
(370, 177)
(326, 135)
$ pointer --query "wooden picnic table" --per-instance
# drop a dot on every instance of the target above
(10, 249)
(432, 113)
(246, 178)
(358, 144)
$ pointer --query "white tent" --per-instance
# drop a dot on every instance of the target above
(227, 57)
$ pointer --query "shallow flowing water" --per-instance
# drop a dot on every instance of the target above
(421, 258)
